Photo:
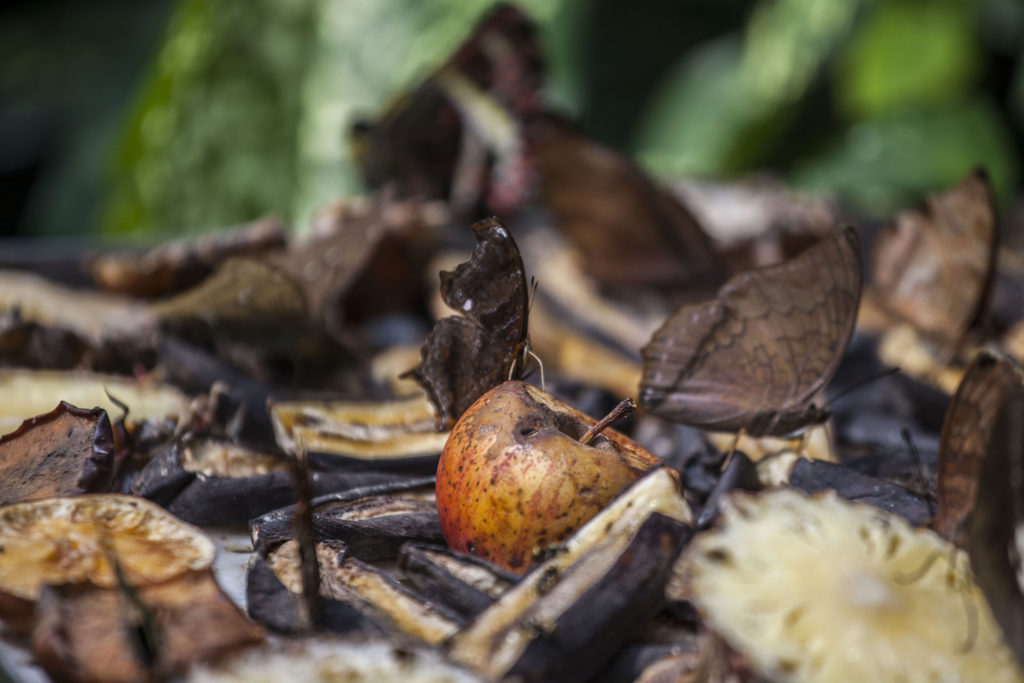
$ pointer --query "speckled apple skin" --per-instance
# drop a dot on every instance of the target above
(511, 481)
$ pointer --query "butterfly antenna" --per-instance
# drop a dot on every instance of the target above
(534, 284)
(908, 441)
(862, 383)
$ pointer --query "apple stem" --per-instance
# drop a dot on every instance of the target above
(618, 412)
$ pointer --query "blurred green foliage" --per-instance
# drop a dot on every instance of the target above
(212, 139)
(246, 106)
(885, 162)
(875, 102)
(935, 40)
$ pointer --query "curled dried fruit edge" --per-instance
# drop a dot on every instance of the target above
(821, 589)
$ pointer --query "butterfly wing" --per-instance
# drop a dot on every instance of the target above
(934, 267)
(755, 356)
(997, 522)
(629, 230)
(466, 356)
(969, 421)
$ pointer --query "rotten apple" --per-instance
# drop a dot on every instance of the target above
(522, 470)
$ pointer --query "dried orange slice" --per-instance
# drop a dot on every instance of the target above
(65, 540)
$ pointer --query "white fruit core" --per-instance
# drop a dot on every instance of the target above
(866, 589)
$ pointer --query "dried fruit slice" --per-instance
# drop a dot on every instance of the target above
(69, 540)
(27, 393)
(85, 633)
(326, 661)
(347, 435)
(379, 598)
(818, 589)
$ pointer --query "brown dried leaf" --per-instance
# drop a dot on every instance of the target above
(87, 633)
(358, 259)
(65, 452)
(243, 294)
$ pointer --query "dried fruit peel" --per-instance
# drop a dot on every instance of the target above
(819, 589)
(66, 540)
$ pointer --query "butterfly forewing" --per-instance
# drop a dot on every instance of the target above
(755, 356)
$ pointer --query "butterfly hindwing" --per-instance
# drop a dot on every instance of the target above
(755, 356)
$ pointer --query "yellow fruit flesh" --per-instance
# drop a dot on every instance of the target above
(64, 540)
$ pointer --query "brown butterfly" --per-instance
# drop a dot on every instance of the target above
(995, 541)
(419, 144)
(754, 357)
(465, 356)
(966, 429)
(629, 230)
(934, 266)
(356, 262)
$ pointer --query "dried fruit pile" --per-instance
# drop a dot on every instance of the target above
(424, 474)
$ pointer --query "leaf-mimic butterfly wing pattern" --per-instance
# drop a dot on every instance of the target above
(466, 356)
(754, 357)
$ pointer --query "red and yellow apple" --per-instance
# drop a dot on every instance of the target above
(514, 478)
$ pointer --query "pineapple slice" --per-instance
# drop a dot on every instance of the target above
(819, 589)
